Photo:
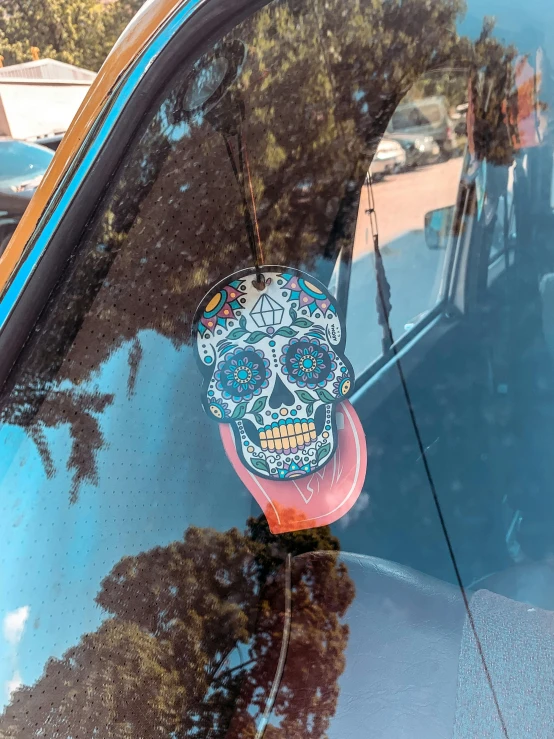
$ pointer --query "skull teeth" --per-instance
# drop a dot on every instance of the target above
(287, 436)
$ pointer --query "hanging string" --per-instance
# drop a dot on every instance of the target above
(259, 249)
(245, 208)
(252, 226)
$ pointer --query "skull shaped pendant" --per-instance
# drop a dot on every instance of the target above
(274, 368)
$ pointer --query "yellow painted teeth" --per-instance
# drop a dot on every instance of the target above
(288, 436)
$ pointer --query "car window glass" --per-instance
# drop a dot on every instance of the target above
(108, 452)
(144, 594)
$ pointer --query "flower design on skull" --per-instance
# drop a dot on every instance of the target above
(219, 409)
(307, 294)
(220, 310)
(242, 374)
(308, 363)
(342, 386)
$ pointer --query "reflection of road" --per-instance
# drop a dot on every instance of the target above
(412, 269)
(402, 200)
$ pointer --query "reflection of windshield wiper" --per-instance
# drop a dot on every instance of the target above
(382, 299)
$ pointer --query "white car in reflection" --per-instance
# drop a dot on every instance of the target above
(389, 158)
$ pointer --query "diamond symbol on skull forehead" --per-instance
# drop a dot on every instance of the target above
(267, 312)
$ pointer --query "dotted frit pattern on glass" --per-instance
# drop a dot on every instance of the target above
(143, 594)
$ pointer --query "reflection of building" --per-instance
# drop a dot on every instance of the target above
(40, 98)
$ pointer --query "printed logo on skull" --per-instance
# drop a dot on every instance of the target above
(274, 367)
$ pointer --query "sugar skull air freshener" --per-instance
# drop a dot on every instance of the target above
(276, 378)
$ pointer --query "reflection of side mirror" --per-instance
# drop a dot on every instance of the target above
(438, 224)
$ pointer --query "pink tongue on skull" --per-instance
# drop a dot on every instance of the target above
(318, 499)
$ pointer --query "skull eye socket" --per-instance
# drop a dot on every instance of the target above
(308, 363)
(242, 374)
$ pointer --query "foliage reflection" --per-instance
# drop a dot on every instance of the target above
(191, 643)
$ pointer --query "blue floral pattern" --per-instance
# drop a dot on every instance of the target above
(243, 374)
(342, 386)
(308, 362)
(219, 409)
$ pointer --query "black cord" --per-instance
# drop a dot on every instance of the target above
(239, 176)
(383, 298)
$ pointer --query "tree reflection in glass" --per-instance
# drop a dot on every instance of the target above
(191, 642)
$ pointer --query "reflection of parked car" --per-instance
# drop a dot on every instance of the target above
(51, 142)
(12, 207)
(419, 151)
(459, 119)
(390, 157)
(22, 165)
(425, 117)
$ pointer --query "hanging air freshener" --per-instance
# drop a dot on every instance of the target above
(270, 344)
(275, 375)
